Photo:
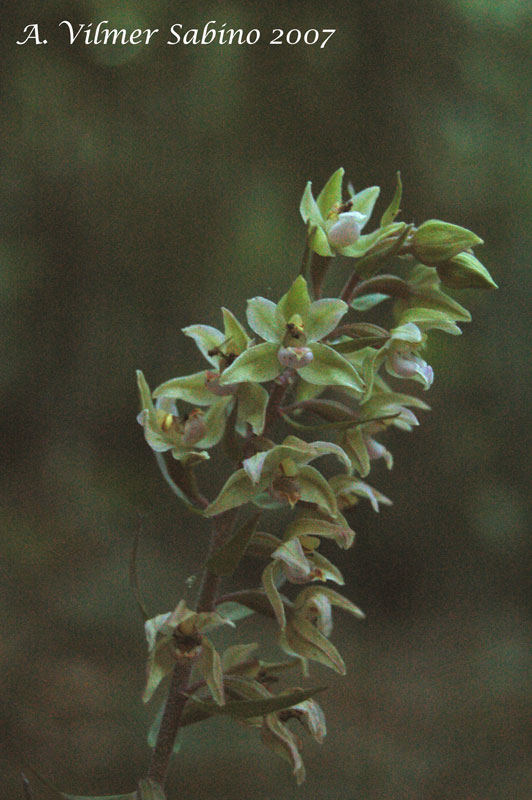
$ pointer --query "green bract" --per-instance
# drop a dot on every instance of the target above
(292, 331)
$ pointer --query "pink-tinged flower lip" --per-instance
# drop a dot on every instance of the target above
(295, 357)
(347, 229)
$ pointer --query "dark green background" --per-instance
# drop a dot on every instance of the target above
(141, 189)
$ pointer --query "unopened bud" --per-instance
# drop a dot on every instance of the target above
(464, 271)
(437, 241)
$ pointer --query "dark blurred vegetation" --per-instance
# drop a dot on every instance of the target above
(143, 187)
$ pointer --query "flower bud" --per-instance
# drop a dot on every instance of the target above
(346, 230)
(436, 241)
(464, 271)
(408, 365)
(295, 357)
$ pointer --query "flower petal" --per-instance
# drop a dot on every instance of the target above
(258, 364)
(264, 319)
(330, 369)
(323, 317)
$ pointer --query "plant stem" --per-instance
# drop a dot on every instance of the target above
(175, 703)
(178, 689)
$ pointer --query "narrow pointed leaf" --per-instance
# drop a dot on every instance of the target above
(242, 709)
(134, 579)
(227, 558)
(161, 463)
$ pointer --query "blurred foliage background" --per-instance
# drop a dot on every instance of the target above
(143, 187)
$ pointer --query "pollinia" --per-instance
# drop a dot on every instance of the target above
(300, 401)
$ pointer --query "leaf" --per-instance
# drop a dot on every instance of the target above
(134, 580)
(257, 364)
(242, 709)
(227, 558)
(191, 388)
(393, 209)
(331, 194)
(330, 369)
(313, 488)
(264, 319)
(206, 338)
(237, 490)
(323, 317)
(367, 301)
(161, 463)
(49, 793)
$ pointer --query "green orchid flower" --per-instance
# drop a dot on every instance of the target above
(221, 349)
(292, 331)
(165, 429)
(283, 474)
(178, 636)
(334, 226)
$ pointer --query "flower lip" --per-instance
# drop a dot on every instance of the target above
(295, 357)
(346, 230)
